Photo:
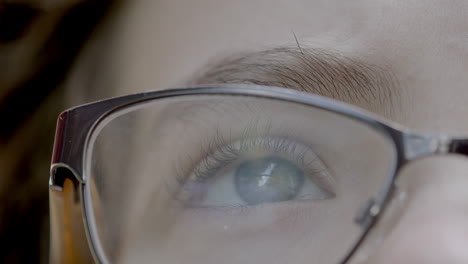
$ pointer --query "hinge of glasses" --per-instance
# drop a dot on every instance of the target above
(58, 173)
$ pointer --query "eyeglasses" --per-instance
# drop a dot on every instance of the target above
(241, 174)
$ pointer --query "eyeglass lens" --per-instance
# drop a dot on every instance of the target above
(231, 179)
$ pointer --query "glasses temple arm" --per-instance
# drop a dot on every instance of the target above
(68, 241)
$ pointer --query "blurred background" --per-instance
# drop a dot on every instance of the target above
(55, 54)
(39, 42)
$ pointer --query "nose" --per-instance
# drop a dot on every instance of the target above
(427, 219)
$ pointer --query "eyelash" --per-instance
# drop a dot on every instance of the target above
(221, 151)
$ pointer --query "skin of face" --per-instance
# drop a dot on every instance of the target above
(422, 44)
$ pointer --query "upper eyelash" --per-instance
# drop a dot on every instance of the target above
(221, 152)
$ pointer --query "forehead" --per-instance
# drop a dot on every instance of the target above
(161, 44)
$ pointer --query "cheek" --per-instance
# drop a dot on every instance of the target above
(428, 232)
(288, 232)
(430, 224)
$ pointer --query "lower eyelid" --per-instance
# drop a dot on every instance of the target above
(257, 217)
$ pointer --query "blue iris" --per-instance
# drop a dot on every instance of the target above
(269, 179)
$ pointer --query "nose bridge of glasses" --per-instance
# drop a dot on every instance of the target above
(419, 145)
(459, 146)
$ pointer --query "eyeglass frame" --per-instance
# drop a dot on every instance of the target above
(76, 125)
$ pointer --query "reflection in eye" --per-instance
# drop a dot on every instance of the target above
(255, 171)
(269, 179)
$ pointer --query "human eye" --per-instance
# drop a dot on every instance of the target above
(254, 170)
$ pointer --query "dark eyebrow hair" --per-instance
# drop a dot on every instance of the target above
(310, 70)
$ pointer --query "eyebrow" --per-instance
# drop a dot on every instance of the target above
(310, 70)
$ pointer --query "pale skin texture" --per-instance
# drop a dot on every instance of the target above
(160, 44)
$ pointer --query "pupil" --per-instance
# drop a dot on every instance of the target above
(267, 180)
